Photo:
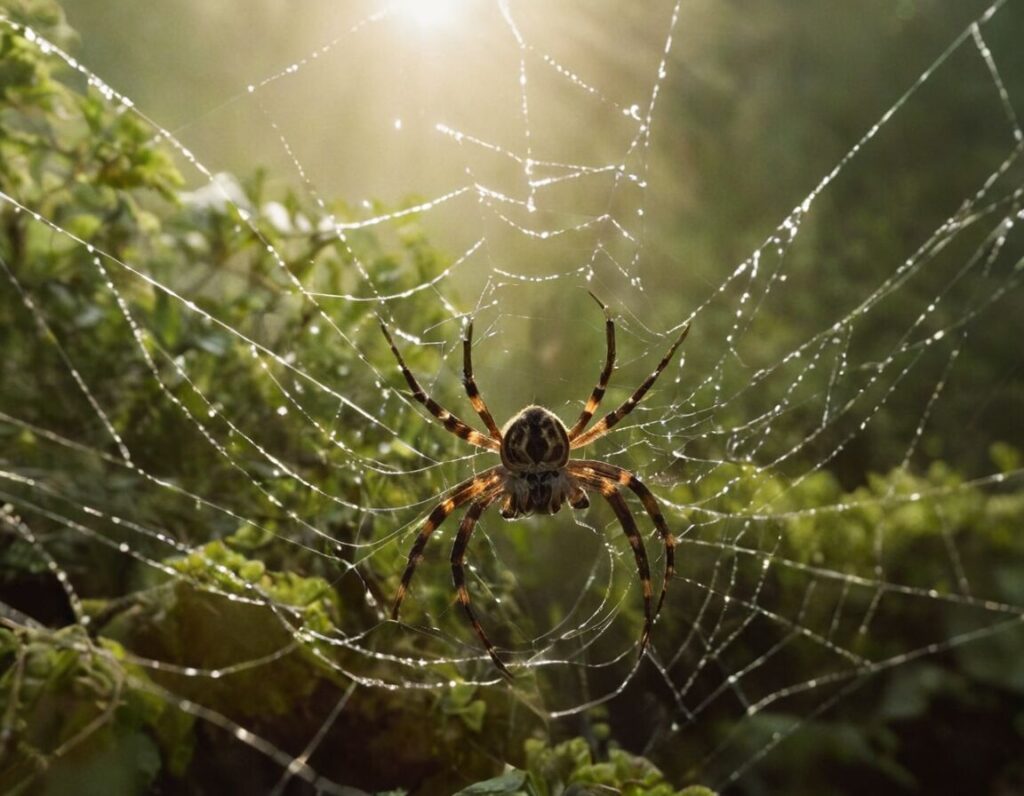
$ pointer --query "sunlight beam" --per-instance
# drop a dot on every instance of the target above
(429, 13)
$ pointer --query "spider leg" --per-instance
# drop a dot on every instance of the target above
(610, 490)
(578, 496)
(470, 383)
(458, 427)
(469, 521)
(602, 381)
(630, 481)
(459, 496)
(610, 419)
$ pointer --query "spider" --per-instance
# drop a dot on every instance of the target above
(536, 475)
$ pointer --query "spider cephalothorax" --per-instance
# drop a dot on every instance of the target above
(536, 475)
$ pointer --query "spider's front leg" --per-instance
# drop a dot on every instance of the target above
(602, 380)
(451, 422)
(472, 391)
(611, 419)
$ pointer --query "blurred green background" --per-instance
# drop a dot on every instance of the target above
(760, 102)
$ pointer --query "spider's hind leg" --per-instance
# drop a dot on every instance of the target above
(609, 489)
(459, 578)
(463, 493)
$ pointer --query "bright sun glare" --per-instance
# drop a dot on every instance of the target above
(429, 13)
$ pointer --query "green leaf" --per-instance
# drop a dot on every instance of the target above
(84, 225)
(512, 783)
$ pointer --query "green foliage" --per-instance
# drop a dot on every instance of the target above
(77, 716)
(217, 565)
(459, 701)
(569, 769)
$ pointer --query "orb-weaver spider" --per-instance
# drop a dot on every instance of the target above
(536, 475)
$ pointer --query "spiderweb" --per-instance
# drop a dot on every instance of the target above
(737, 442)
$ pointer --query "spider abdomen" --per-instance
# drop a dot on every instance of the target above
(534, 441)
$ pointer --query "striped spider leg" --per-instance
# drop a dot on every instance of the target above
(451, 422)
(597, 393)
(609, 489)
(620, 477)
(605, 424)
(470, 489)
(480, 492)
(466, 527)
